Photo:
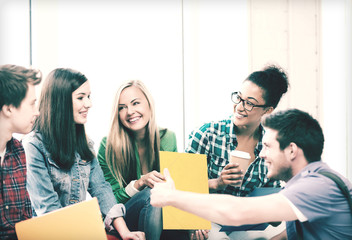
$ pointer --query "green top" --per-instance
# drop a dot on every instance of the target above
(167, 143)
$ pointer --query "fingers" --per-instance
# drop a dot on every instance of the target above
(153, 177)
(199, 235)
(230, 175)
(233, 180)
(232, 167)
(160, 177)
(141, 236)
(167, 173)
(136, 236)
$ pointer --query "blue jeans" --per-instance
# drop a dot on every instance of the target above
(141, 216)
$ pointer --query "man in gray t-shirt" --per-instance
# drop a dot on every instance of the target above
(310, 203)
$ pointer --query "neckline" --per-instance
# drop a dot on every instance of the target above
(2, 155)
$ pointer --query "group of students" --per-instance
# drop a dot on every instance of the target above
(55, 165)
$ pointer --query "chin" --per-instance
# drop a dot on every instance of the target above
(81, 121)
(271, 174)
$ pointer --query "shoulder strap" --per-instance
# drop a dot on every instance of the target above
(340, 184)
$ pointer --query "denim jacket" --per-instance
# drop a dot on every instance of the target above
(51, 188)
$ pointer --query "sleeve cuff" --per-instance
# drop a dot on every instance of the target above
(298, 213)
(118, 210)
(130, 189)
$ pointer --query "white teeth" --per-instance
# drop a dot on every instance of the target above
(133, 119)
(237, 115)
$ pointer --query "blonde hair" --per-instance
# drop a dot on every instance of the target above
(120, 146)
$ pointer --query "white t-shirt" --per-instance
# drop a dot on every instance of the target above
(2, 155)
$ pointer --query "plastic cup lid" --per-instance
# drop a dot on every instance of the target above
(241, 154)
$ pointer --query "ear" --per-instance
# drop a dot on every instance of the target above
(7, 110)
(269, 110)
(292, 150)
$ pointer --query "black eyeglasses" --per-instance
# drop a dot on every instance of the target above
(236, 98)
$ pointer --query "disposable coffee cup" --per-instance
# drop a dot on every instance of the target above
(240, 157)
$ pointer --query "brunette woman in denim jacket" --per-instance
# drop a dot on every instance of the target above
(61, 164)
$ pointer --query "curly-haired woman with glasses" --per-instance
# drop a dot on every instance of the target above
(258, 96)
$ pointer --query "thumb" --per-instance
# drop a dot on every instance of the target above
(167, 174)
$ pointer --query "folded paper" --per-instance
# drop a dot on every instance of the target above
(189, 172)
(81, 220)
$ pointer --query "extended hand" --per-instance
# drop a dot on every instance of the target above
(162, 190)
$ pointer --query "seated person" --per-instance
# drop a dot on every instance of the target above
(258, 96)
(313, 205)
(61, 164)
(17, 113)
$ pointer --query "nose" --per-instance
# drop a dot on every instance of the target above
(36, 112)
(88, 103)
(130, 110)
(239, 106)
(262, 153)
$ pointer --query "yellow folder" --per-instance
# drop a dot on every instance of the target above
(82, 220)
(189, 172)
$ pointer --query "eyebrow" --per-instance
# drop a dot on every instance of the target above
(130, 102)
(83, 93)
(251, 98)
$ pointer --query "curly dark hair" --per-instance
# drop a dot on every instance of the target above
(273, 80)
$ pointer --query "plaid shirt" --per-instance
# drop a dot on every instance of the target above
(15, 204)
(217, 140)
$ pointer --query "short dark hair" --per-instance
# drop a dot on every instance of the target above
(14, 82)
(299, 127)
(62, 137)
(273, 80)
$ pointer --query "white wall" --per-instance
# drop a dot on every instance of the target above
(337, 89)
(312, 40)
(190, 62)
(215, 58)
(111, 42)
(14, 32)
(192, 54)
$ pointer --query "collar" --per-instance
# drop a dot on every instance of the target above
(311, 168)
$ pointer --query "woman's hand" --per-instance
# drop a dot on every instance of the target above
(230, 175)
(120, 225)
(198, 234)
(134, 236)
(149, 180)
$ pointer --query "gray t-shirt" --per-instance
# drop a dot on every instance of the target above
(320, 200)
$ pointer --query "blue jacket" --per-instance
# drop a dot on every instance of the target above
(51, 188)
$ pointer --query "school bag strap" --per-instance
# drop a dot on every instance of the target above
(342, 186)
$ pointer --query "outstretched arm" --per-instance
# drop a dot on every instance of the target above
(221, 208)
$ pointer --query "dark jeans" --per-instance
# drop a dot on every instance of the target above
(141, 216)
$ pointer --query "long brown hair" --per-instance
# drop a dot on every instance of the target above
(62, 137)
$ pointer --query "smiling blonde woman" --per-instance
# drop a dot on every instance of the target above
(129, 156)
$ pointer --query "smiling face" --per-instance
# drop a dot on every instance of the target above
(134, 109)
(81, 103)
(278, 161)
(254, 95)
(24, 116)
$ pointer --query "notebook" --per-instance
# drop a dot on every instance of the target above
(82, 220)
(189, 172)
